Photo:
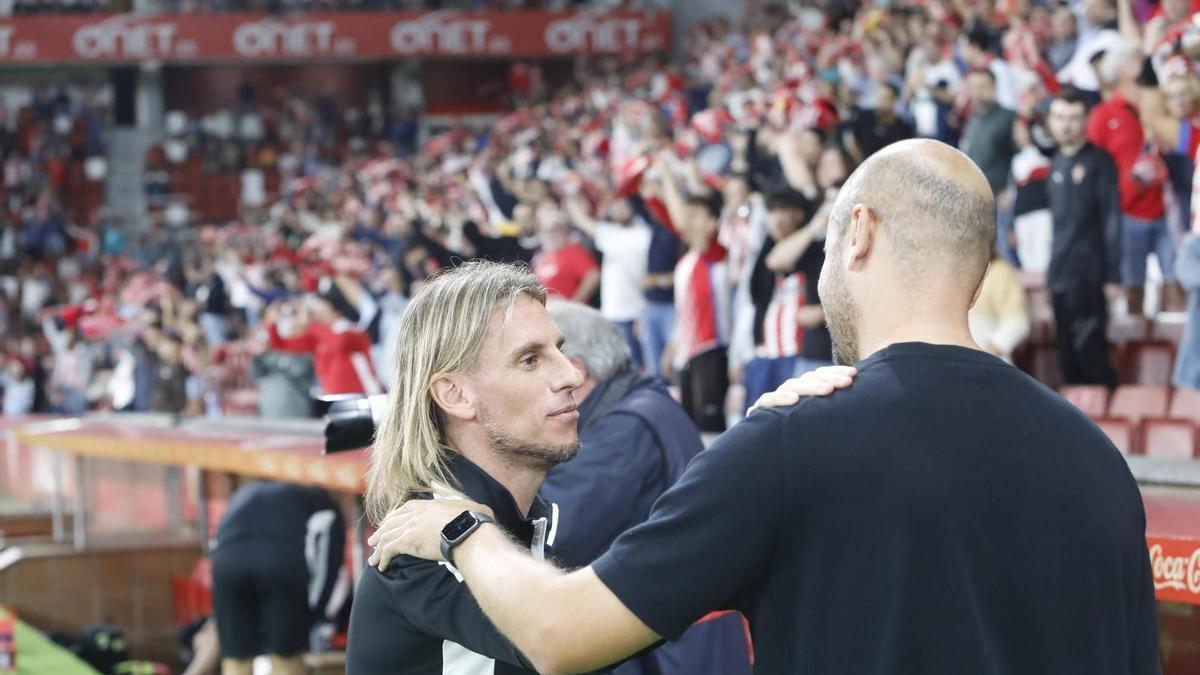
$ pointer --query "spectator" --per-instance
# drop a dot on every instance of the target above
(1097, 33)
(789, 323)
(513, 247)
(214, 301)
(1064, 38)
(392, 301)
(170, 384)
(341, 353)
(564, 267)
(1114, 126)
(1187, 267)
(658, 319)
(999, 319)
(1182, 94)
(703, 300)
(1032, 223)
(72, 367)
(978, 53)
(872, 130)
(18, 388)
(988, 137)
(624, 243)
(1084, 266)
(1169, 115)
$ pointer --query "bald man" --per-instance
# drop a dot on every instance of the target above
(945, 514)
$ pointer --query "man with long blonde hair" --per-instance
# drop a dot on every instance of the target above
(481, 405)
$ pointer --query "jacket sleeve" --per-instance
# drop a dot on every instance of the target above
(431, 596)
(607, 489)
(1110, 206)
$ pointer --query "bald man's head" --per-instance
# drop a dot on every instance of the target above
(934, 208)
(933, 204)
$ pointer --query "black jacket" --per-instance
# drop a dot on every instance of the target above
(1085, 205)
(419, 618)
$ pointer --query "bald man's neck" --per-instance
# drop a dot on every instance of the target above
(922, 322)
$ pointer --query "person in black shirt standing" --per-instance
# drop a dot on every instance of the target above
(276, 574)
(504, 248)
(944, 514)
(872, 130)
(1085, 260)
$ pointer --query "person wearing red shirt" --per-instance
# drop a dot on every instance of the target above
(341, 353)
(564, 267)
(1114, 125)
(1171, 115)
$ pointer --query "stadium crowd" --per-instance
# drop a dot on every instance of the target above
(686, 200)
(42, 7)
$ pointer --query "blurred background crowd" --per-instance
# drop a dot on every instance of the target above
(683, 195)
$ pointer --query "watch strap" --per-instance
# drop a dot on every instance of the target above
(448, 545)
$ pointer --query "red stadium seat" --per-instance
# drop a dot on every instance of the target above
(1041, 331)
(1041, 312)
(1185, 405)
(1126, 328)
(1150, 362)
(1091, 399)
(1173, 439)
(1169, 330)
(1120, 432)
(1044, 365)
(1135, 403)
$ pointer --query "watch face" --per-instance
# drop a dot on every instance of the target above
(459, 526)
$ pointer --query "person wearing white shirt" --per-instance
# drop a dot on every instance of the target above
(624, 243)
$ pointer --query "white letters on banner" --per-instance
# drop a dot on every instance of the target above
(1175, 572)
(438, 33)
(591, 33)
(277, 38)
(119, 38)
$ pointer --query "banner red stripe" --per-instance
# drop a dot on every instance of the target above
(330, 36)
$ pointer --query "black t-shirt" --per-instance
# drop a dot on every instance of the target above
(945, 514)
(276, 511)
(872, 134)
(505, 249)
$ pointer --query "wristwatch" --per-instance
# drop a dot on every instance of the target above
(456, 531)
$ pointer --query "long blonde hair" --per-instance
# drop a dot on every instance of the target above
(442, 331)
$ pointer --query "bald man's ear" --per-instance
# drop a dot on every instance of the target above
(859, 238)
(451, 395)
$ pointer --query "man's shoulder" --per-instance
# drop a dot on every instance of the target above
(1003, 114)
(648, 407)
(405, 571)
(1096, 156)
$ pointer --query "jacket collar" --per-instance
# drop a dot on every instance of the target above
(534, 531)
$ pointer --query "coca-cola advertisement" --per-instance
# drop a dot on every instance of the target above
(348, 35)
(1176, 567)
